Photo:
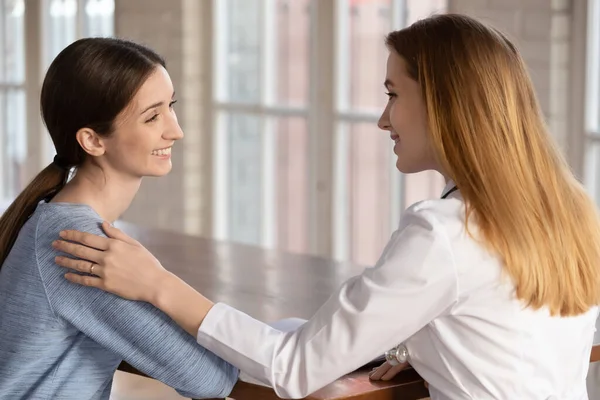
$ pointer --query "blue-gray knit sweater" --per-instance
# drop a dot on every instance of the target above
(64, 341)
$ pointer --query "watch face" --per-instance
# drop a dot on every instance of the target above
(401, 354)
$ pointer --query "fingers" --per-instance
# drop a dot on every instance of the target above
(393, 371)
(80, 265)
(79, 251)
(88, 239)
(386, 371)
(378, 372)
(84, 280)
(115, 233)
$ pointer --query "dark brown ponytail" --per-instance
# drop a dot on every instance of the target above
(44, 185)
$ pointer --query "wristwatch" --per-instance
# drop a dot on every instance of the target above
(397, 355)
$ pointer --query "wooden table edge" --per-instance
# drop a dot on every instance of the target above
(595, 354)
(267, 393)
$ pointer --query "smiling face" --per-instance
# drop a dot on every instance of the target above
(405, 117)
(145, 131)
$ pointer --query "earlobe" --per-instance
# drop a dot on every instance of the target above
(90, 142)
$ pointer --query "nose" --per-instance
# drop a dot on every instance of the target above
(173, 131)
(384, 120)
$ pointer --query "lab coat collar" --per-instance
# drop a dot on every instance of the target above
(449, 185)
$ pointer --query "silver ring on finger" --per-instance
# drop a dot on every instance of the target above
(92, 269)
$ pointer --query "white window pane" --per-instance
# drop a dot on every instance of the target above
(245, 177)
(418, 9)
(261, 180)
(240, 69)
(4, 58)
(12, 60)
(364, 53)
(592, 106)
(292, 37)
(13, 145)
(62, 18)
(592, 172)
(596, 126)
(99, 18)
(61, 27)
(372, 190)
(292, 184)
(13, 138)
(367, 204)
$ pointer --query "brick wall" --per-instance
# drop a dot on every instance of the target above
(174, 29)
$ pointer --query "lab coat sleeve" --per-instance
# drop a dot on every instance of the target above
(413, 282)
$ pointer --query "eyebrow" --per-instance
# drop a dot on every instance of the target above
(160, 103)
(388, 83)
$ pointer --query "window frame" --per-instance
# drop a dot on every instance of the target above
(36, 26)
(586, 18)
(266, 109)
(325, 111)
(345, 116)
(6, 88)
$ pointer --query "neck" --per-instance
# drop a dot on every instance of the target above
(107, 192)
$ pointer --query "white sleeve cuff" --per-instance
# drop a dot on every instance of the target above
(240, 340)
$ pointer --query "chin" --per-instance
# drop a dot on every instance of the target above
(407, 168)
(156, 173)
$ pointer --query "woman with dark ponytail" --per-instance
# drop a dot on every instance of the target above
(108, 106)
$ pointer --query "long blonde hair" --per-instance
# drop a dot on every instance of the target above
(489, 136)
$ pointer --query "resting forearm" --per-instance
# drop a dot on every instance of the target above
(182, 303)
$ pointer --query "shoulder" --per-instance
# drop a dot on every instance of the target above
(423, 237)
(431, 217)
(55, 217)
(51, 218)
(441, 217)
(48, 220)
(419, 256)
(439, 211)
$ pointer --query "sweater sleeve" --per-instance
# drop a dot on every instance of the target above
(141, 334)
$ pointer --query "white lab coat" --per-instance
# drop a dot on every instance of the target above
(441, 293)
